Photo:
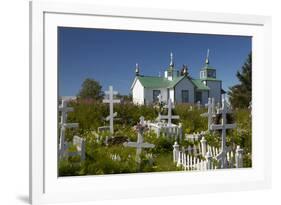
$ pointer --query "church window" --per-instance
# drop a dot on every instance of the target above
(211, 74)
(202, 74)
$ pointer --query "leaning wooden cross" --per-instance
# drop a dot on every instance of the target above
(141, 127)
(110, 99)
(222, 156)
(63, 125)
(168, 117)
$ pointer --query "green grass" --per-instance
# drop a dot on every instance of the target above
(98, 155)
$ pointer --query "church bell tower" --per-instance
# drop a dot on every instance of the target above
(207, 72)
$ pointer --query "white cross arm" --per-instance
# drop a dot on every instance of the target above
(147, 145)
(109, 117)
(65, 109)
(230, 126)
(220, 127)
(108, 101)
(109, 92)
(165, 117)
(227, 110)
(130, 144)
(70, 125)
(219, 156)
(135, 144)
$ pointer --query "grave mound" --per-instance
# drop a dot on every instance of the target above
(118, 140)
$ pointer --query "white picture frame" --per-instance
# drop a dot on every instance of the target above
(46, 187)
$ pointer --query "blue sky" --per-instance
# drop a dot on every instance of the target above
(109, 56)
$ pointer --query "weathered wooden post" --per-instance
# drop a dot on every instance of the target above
(239, 157)
(183, 162)
(203, 146)
(180, 132)
(176, 151)
(208, 160)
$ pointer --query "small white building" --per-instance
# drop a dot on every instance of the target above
(177, 85)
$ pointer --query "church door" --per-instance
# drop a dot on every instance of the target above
(198, 96)
(156, 93)
(184, 96)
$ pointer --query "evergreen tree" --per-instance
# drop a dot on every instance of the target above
(91, 89)
(240, 95)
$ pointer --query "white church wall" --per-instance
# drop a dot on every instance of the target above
(172, 95)
(138, 93)
(215, 90)
(184, 84)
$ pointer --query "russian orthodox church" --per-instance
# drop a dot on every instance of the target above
(177, 85)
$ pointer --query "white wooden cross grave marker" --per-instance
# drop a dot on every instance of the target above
(211, 111)
(223, 127)
(168, 117)
(63, 125)
(139, 144)
(110, 99)
(159, 98)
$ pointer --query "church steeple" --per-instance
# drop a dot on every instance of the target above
(137, 71)
(170, 73)
(207, 72)
(171, 60)
(207, 57)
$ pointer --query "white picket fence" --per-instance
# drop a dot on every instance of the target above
(194, 137)
(159, 128)
(190, 160)
(213, 151)
(193, 149)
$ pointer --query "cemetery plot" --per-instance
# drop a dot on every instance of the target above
(147, 139)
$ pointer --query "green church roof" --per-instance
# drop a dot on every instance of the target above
(162, 82)
(199, 85)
